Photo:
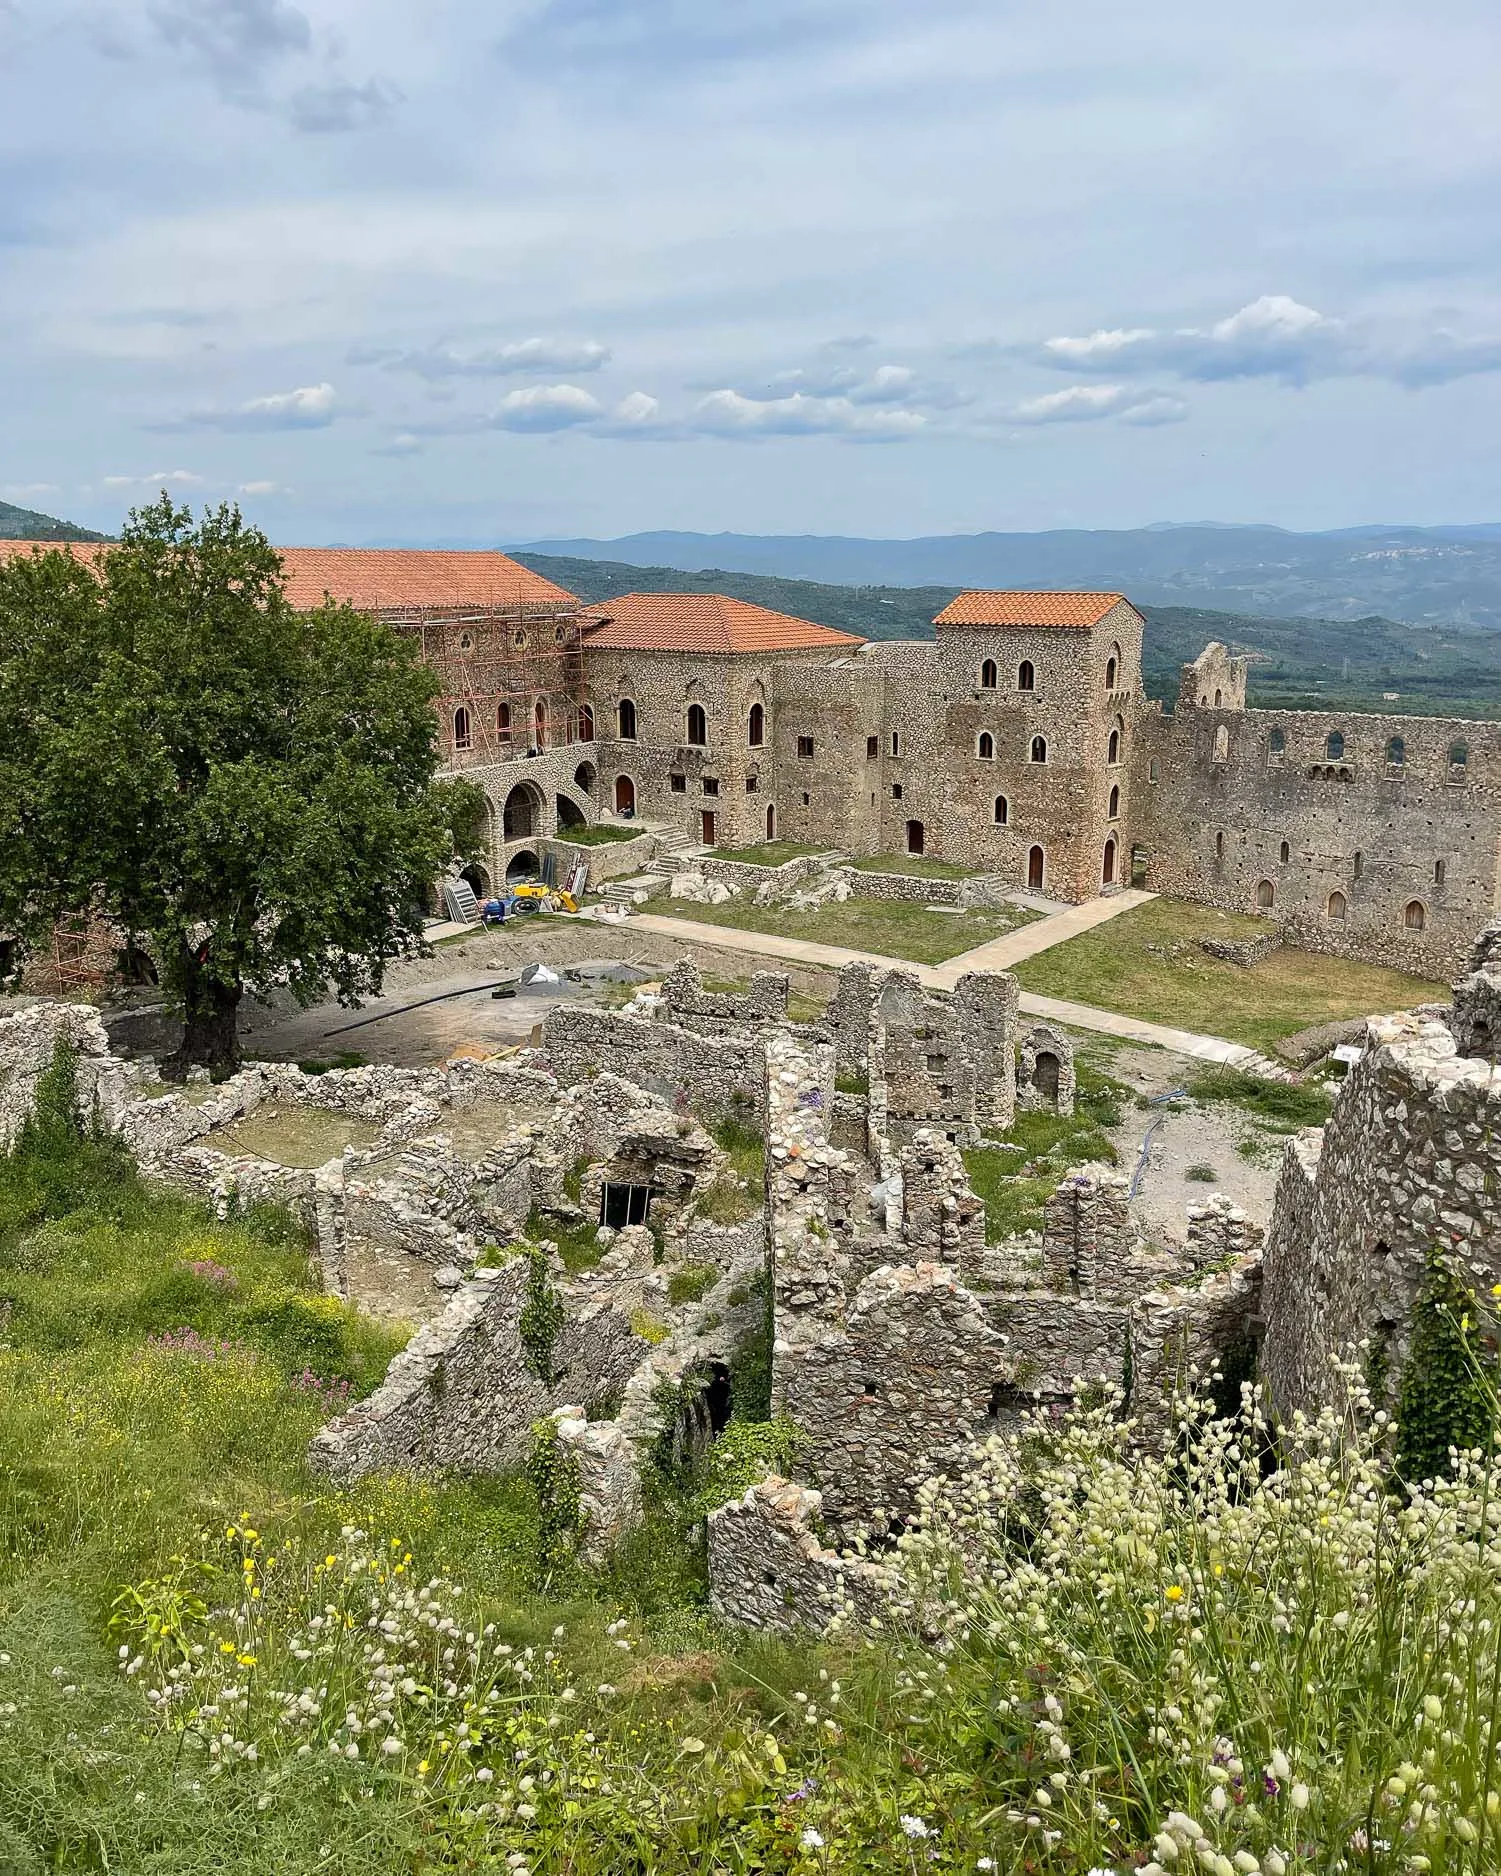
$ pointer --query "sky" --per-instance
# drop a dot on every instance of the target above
(488, 271)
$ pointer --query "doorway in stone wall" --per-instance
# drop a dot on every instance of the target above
(1036, 869)
(917, 839)
(625, 795)
(707, 828)
(1045, 1073)
(1107, 871)
(771, 823)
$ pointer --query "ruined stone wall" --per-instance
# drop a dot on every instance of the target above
(768, 1570)
(1045, 1077)
(711, 1075)
(461, 1393)
(1408, 1165)
(721, 1012)
(28, 1042)
(1087, 1237)
(1337, 847)
(941, 1062)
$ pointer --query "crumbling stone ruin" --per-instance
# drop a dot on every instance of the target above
(900, 1336)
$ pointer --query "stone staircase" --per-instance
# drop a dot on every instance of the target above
(654, 876)
(672, 860)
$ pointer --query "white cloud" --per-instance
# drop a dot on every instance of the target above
(527, 355)
(1278, 337)
(404, 443)
(27, 491)
(158, 479)
(729, 414)
(260, 488)
(310, 407)
(544, 407)
(341, 105)
(1088, 403)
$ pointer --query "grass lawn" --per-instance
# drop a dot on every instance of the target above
(768, 853)
(1147, 963)
(1015, 1177)
(889, 930)
(601, 835)
(913, 866)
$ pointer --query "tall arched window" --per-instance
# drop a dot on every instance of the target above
(463, 729)
(626, 715)
(755, 733)
(503, 722)
(1039, 749)
(1113, 752)
(988, 675)
(1112, 669)
(985, 747)
(1337, 907)
(1219, 846)
(1396, 753)
(1218, 695)
(1334, 746)
(1357, 865)
(1438, 872)
(1416, 915)
(1266, 895)
(1222, 744)
(1002, 811)
(586, 723)
(1115, 803)
(698, 726)
(1284, 853)
(1026, 677)
(539, 725)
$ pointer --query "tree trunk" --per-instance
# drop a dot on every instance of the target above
(210, 1012)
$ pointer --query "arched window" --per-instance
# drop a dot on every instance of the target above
(698, 726)
(1276, 743)
(1284, 853)
(1039, 749)
(586, 723)
(1002, 811)
(503, 722)
(1438, 872)
(1218, 695)
(988, 675)
(1110, 670)
(539, 725)
(1222, 744)
(756, 729)
(1396, 753)
(1113, 813)
(1415, 917)
(1113, 751)
(627, 721)
(1026, 677)
(985, 747)
(466, 641)
(1266, 895)
(1336, 907)
(1334, 746)
(463, 729)
(771, 821)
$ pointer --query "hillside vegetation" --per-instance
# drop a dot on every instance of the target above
(1303, 664)
(25, 524)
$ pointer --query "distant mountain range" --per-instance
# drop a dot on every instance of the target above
(1435, 576)
(1354, 664)
(25, 524)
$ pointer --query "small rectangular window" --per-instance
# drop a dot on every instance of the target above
(896, 791)
(622, 1205)
(805, 747)
(807, 799)
(711, 785)
(752, 783)
(896, 742)
(678, 784)
(872, 748)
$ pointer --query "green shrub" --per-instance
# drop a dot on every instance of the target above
(691, 1284)
(746, 1452)
(1447, 1400)
(1285, 1103)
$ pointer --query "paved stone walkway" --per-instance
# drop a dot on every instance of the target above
(1041, 935)
(984, 957)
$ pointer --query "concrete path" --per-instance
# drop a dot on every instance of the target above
(983, 957)
(1041, 935)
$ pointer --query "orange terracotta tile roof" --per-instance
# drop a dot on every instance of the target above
(1028, 608)
(708, 622)
(379, 579)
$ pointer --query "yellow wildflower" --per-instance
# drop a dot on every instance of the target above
(1174, 1592)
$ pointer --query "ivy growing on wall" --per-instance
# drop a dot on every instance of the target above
(553, 1472)
(541, 1318)
(1448, 1396)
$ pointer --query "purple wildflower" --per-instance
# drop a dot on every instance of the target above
(211, 1272)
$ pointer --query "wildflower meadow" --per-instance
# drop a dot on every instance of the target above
(1260, 1651)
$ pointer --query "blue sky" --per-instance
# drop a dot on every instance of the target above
(487, 270)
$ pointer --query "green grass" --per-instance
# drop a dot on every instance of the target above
(769, 853)
(1147, 963)
(1283, 1105)
(1015, 1178)
(600, 835)
(575, 1239)
(913, 866)
(891, 930)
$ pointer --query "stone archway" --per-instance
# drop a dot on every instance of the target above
(584, 777)
(522, 865)
(625, 795)
(569, 813)
(478, 878)
(521, 817)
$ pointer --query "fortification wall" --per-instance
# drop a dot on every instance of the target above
(713, 1075)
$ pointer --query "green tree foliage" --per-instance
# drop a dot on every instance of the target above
(249, 786)
(1448, 1394)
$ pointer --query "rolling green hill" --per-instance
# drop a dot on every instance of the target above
(1435, 670)
(25, 524)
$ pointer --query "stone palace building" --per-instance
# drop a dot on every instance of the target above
(1017, 740)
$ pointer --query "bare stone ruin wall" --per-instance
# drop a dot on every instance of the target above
(1358, 824)
(718, 1012)
(461, 1393)
(768, 1570)
(1409, 1164)
(714, 1075)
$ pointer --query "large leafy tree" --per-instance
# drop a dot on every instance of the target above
(248, 787)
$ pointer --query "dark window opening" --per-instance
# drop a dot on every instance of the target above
(756, 734)
(896, 742)
(752, 783)
(1334, 746)
(711, 784)
(872, 748)
(622, 1205)
(678, 784)
(698, 726)
(626, 716)
(988, 675)
(896, 791)
(805, 748)
(1026, 677)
